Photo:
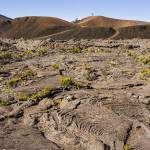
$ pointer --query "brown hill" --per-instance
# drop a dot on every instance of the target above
(141, 31)
(100, 21)
(4, 21)
(4, 18)
(83, 33)
(93, 27)
(30, 27)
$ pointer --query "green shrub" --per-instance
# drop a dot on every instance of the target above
(5, 55)
(76, 50)
(36, 96)
(13, 82)
(66, 82)
(145, 74)
(41, 94)
(126, 147)
(41, 51)
(89, 71)
(55, 67)
(22, 97)
(4, 103)
(27, 73)
(23, 54)
(57, 102)
(145, 59)
(132, 54)
(17, 56)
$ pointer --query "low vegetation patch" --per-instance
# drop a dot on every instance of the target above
(145, 74)
(57, 102)
(27, 74)
(89, 73)
(13, 82)
(76, 50)
(126, 147)
(41, 51)
(4, 102)
(36, 96)
(145, 59)
(55, 67)
(66, 82)
(73, 50)
(24, 75)
(132, 54)
(5, 55)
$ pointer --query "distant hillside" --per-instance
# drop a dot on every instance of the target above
(100, 21)
(141, 31)
(84, 33)
(4, 22)
(92, 27)
(4, 18)
(95, 27)
(30, 27)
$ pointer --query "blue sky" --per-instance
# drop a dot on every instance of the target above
(71, 9)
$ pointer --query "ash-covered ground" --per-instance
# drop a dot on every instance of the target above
(74, 95)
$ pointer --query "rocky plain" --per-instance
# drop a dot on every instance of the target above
(74, 94)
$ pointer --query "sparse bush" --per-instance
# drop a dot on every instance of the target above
(57, 102)
(90, 73)
(145, 74)
(17, 56)
(5, 55)
(145, 59)
(43, 93)
(88, 50)
(41, 51)
(22, 76)
(13, 82)
(25, 53)
(55, 67)
(22, 97)
(27, 73)
(132, 54)
(126, 147)
(66, 82)
(76, 50)
(37, 96)
(4, 102)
